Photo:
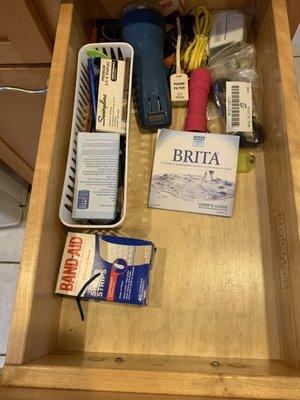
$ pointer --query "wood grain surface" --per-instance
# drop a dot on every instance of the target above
(293, 9)
(22, 393)
(11, 158)
(21, 113)
(48, 12)
(159, 375)
(282, 160)
(36, 311)
(111, 9)
(211, 291)
(193, 365)
(26, 39)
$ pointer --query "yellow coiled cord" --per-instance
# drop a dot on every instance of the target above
(195, 55)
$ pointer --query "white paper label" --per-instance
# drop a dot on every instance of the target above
(179, 87)
(238, 107)
(227, 27)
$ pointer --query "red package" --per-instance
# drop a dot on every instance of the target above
(169, 6)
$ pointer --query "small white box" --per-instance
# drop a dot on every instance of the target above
(110, 115)
(179, 87)
(96, 179)
(227, 27)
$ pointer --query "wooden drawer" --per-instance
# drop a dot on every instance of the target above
(223, 317)
(21, 117)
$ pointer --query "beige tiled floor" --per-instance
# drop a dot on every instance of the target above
(296, 43)
(296, 51)
(9, 275)
(297, 68)
(11, 242)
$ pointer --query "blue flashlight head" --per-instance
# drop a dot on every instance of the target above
(143, 28)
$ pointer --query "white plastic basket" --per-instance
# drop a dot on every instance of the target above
(81, 117)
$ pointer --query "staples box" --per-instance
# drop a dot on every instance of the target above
(110, 114)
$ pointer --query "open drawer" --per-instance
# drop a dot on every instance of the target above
(223, 317)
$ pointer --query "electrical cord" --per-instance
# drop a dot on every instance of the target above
(179, 35)
(78, 297)
(196, 53)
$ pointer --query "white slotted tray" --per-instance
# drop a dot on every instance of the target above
(81, 117)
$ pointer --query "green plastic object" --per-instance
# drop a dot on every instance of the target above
(246, 161)
(92, 53)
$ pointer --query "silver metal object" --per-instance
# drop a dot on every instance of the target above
(215, 364)
(18, 89)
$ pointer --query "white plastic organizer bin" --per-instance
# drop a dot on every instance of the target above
(80, 123)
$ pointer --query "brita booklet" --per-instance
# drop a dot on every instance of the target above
(194, 172)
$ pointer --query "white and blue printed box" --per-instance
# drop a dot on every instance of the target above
(102, 267)
(194, 172)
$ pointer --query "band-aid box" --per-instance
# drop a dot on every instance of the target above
(102, 267)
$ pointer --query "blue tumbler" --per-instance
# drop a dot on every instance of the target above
(143, 28)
